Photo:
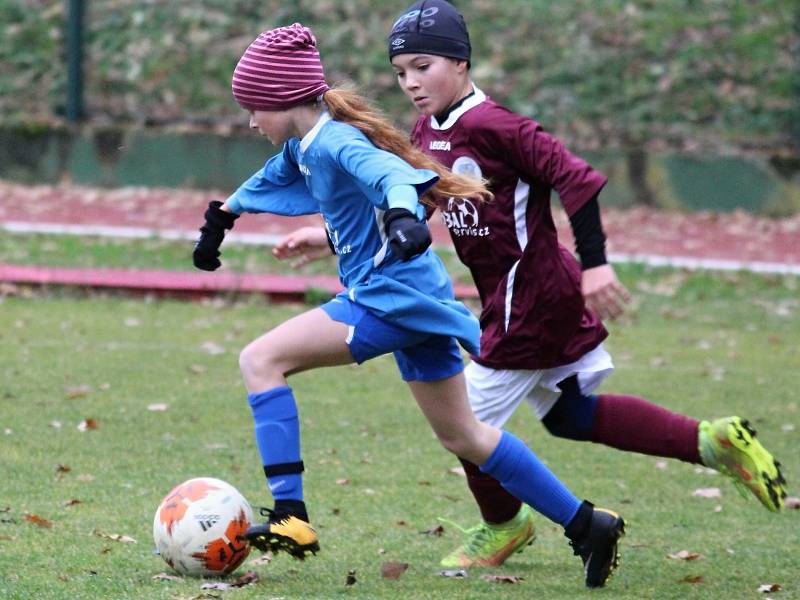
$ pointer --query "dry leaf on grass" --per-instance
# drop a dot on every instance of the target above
(766, 588)
(37, 520)
(342, 482)
(792, 502)
(692, 579)
(453, 573)
(167, 577)
(712, 492)
(87, 424)
(71, 502)
(78, 391)
(114, 537)
(502, 578)
(436, 530)
(393, 570)
(159, 407)
(264, 559)
(685, 555)
(457, 471)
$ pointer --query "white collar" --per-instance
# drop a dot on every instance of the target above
(468, 104)
(309, 137)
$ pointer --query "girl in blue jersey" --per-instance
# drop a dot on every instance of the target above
(342, 160)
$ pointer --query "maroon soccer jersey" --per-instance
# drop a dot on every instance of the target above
(533, 313)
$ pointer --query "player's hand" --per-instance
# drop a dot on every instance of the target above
(206, 249)
(603, 293)
(305, 245)
(408, 236)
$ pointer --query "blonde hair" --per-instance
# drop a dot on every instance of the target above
(349, 107)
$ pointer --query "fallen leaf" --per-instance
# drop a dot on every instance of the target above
(37, 520)
(692, 579)
(712, 492)
(197, 369)
(216, 585)
(264, 559)
(72, 502)
(453, 573)
(765, 588)
(502, 578)
(157, 407)
(114, 537)
(61, 470)
(63, 577)
(248, 578)
(792, 502)
(7, 538)
(436, 530)
(167, 577)
(423, 482)
(457, 471)
(342, 482)
(87, 424)
(685, 555)
(55, 424)
(78, 391)
(351, 577)
(212, 348)
(661, 464)
(393, 570)
(85, 477)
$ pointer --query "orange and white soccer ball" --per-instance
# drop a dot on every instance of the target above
(199, 527)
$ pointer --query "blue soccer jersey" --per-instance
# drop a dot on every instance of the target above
(336, 171)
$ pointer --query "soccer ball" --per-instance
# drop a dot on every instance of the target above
(199, 527)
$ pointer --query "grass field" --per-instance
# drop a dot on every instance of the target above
(703, 344)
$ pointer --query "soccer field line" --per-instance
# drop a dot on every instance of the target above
(267, 239)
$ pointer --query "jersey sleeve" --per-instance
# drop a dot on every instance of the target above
(539, 155)
(278, 188)
(376, 171)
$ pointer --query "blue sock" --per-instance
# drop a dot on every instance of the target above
(516, 467)
(277, 430)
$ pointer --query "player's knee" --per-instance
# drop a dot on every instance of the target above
(572, 416)
(256, 363)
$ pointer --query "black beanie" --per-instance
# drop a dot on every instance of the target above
(430, 27)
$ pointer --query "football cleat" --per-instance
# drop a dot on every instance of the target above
(729, 445)
(490, 545)
(284, 533)
(598, 546)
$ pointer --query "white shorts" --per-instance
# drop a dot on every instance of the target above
(495, 393)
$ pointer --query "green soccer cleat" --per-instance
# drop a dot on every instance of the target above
(490, 545)
(598, 546)
(284, 533)
(729, 445)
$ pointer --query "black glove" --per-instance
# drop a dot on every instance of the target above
(206, 250)
(408, 236)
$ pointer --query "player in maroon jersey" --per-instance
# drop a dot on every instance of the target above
(541, 331)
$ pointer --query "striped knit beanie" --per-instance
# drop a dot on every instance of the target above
(279, 70)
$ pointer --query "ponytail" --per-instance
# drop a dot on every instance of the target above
(349, 107)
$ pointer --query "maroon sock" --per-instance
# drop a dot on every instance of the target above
(633, 424)
(496, 504)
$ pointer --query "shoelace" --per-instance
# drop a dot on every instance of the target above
(475, 535)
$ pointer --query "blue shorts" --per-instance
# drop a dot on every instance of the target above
(420, 356)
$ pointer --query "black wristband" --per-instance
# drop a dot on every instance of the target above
(590, 240)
